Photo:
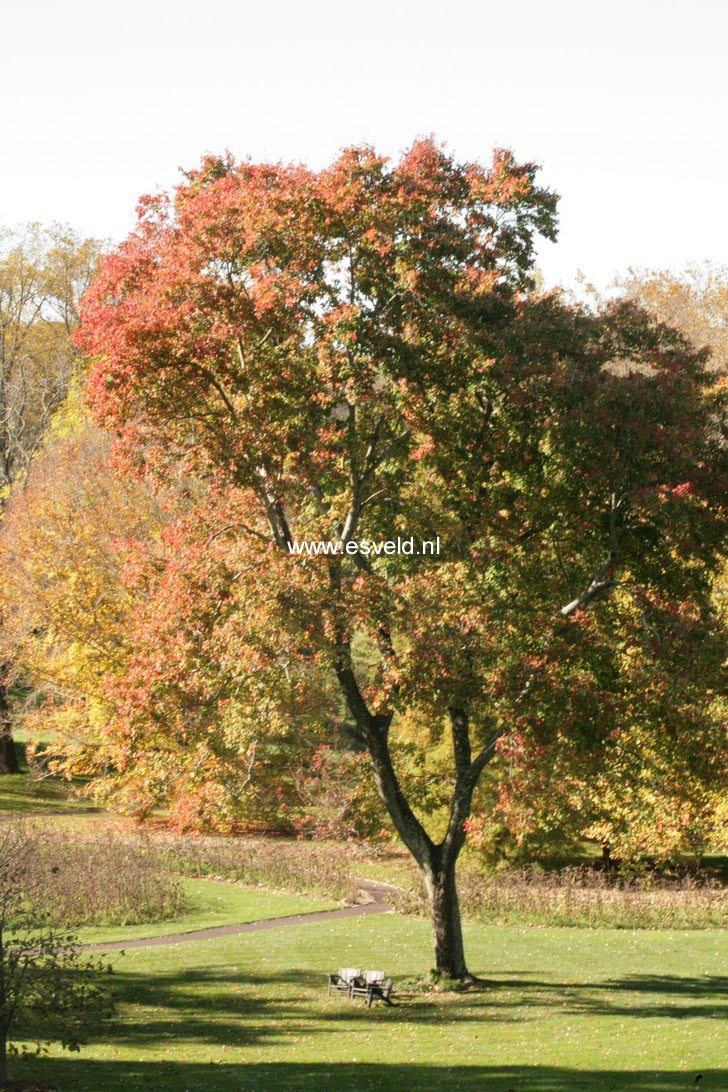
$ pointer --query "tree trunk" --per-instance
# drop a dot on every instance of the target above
(437, 862)
(8, 757)
(3, 1057)
(447, 930)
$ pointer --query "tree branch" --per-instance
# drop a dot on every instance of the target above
(598, 585)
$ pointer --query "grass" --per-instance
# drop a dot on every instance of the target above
(568, 1009)
(392, 865)
(21, 795)
(211, 903)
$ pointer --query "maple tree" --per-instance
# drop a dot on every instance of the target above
(360, 353)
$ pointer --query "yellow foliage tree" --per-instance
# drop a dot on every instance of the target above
(65, 539)
(43, 274)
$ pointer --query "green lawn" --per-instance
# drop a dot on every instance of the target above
(22, 796)
(569, 1009)
(212, 903)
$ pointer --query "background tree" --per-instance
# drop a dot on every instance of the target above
(358, 353)
(43, 274)
(110, 597)
(694, 301)
(66, 538)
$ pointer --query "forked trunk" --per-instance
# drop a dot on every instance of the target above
(436, 861)
(447, 929)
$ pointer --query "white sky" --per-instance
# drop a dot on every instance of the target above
(623, 104)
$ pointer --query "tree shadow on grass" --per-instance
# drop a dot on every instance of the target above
(207, 1010)
(670, 996)
(700, 995)
(218, 1006)
(91, 1076)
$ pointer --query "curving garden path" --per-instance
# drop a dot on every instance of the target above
(376, 894)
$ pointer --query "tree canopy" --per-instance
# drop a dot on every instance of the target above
(360, 353)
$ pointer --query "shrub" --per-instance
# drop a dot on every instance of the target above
(104, 880)
(48, 989)
(584, 897)
(307, 869)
